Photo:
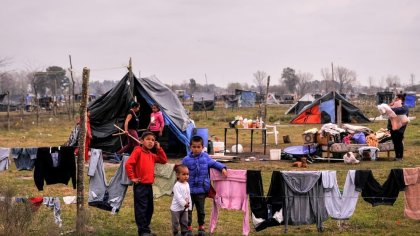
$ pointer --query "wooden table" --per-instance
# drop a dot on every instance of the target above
(264, 135)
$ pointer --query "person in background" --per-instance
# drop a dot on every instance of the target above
(198, 163)
(397, 136)
(131, 125)
(156, 121)
(140, 170)
(181, 201)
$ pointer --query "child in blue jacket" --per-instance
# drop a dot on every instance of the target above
(198, 163)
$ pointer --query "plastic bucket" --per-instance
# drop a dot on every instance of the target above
(203, 133)
(275, 154)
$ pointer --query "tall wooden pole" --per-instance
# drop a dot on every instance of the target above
(131, 78)
(264, 118)
(8, 110)
(72, 89)
(80, 224)
(332, 76)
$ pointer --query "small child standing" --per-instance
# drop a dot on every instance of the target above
(181, 201)
(198, 163)
(140, 170)
(157, 122)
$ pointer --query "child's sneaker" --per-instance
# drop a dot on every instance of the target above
(201, 230)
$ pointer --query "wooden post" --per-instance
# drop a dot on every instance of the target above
(339, 114)
(8, 110)
(131, 78)
(71, 100)
(204, 106)
(332, 77)
(80, 224)
(264, 118)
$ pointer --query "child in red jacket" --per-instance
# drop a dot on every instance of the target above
(140, 168)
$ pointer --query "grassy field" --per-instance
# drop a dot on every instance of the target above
(367, 220)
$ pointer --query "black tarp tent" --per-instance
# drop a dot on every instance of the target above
(203, 101)
(112, 107)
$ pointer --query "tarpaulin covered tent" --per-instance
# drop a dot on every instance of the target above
(231, 101)
(301, 103)
(324, 110)
(384, 97)
(203, 101)
(112, 107)
(247, 98)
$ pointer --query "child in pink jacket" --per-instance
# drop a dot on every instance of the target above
(156, 121)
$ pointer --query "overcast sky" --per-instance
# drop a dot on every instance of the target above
(227, 40)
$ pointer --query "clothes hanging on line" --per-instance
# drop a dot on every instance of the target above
(263, 215)
(340, 206)
(376, 194)
(412, 193)
(54, 204)
(165, 178)
(70, 200)
(4, 159)
(301, 194)
(105, 196)
(55, 165)
(231, 195)
(24, 158)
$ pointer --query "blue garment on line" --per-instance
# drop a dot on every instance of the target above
(24, 157)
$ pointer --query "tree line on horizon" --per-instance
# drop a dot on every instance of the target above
(56, 81)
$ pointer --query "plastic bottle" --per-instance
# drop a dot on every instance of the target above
(245, 122)
(257, 121)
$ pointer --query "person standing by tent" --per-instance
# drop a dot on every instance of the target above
(397, 136)
(156, 121)
(130, 127)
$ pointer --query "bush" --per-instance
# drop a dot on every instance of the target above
(15, 218)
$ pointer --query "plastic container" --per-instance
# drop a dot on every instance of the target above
(275, 154)
(218, 148)
(203, 133)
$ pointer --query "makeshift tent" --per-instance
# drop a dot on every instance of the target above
(231, 101)
(302, 102)
(247, 98)
(271, 99)
(384, 97)
(324, 110)
(203, 101)
(410, 99)
(112, 107)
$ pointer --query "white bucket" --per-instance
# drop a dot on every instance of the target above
(275, 154)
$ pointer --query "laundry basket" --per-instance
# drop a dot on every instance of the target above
(275, 154)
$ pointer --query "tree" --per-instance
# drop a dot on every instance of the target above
(392, 81)
(302, 85)
(231, 87)
(56, 79)
(193, 86)
(344, 77)
(259, 79)
(289, 79)
(327, 76)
